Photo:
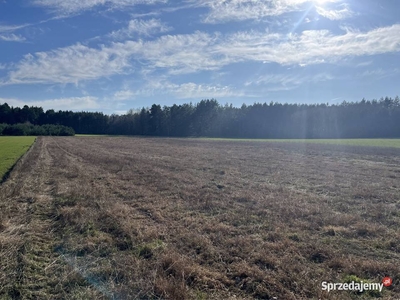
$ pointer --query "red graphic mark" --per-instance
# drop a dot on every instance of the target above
(387, 281)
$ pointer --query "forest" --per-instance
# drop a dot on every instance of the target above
(208, 118)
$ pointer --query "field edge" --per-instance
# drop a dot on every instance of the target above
(6, 175)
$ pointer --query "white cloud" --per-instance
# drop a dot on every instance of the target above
(147, 27)
(188, 90)
(12, 38)
(193, 90)
(67, 7)
(68, 65)
(379, 73)
(125, 94)
(10, 28)
(364, 63)
(285, 82)
(77, 103)
(332, 14)
(239, 10)
(152, 13)
(311, 46)
(179, 54)
(140, 27)
(187, 53)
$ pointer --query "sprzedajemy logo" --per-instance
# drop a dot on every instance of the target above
(356, 286)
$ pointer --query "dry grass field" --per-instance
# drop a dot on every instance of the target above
(138, 218)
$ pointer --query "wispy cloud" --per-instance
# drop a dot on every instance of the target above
(194, 90)
(67, 7)
(379, 73)
(187, 90)
(188, 53)
(180, 5)
(180, 54)
(311, 46)
(78, 103)
(140, 27)
(285, 82)
(125, 94)
(364, 63)
(12, 38)
(334, 14)
(68, 65)
(239, 10)
(11, 28)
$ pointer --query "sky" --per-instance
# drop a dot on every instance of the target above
(116, 55)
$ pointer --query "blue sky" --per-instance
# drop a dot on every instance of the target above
(113, 55)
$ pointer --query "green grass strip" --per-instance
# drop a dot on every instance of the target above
(11, 149)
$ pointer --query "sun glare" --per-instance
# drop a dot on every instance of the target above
(320, 2)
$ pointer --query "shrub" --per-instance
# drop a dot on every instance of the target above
(17, 129)
(2, 127)
(28, 129)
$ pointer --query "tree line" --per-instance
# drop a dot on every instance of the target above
(362, 119)
(29, 129)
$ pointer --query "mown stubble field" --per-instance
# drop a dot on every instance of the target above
(141, 218)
